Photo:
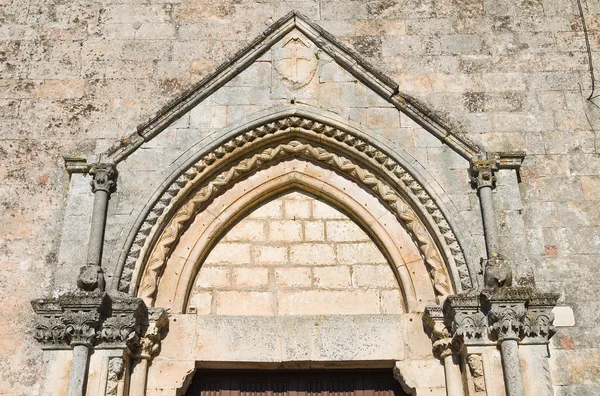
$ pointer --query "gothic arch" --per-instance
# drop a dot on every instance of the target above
(360, 157)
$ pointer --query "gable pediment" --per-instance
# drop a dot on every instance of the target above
(295, 46)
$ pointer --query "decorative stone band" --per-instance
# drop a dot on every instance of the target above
(388, 170)
(385, 193)
(522, 314)
(90, 319)
(104, 177)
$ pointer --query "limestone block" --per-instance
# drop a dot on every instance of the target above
(56, 371)
(201, 303)
(314, 231)
(312, 253)
(563, 317)
(250, 277)
(297, 209)
(271, 254)
(244, 303)
(247, 230)
(213, 277)
(285, 230)
(374, 276)
(359, 253)
(229, 253)
(344, 231)
(328, 302)
(426, 373)
(332, 277)
(270, 210)
(293, 277)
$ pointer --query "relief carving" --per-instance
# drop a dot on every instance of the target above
(116, 368)
(296, 63)
(475, 364)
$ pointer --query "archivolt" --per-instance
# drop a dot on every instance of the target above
(388, 179)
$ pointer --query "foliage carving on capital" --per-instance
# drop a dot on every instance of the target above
(104, 177)
(81, 327)
(440, 333)
(49, 328)
(468, 322)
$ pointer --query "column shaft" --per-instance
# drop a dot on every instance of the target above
(79, 368)
(96, 241)
(139, 375)
(511, 365)
(486, 200)
(454, 385)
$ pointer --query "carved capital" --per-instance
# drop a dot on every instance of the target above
(540, 317)
(483, 171)
(81, 327)
(149, 344)
(440, 333)
(104, 177)
(123, 327)
(49, 328)
(468, 322)
(507, 312)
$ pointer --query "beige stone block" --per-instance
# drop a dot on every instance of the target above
(200, 303)
(314, 231)
(391, 302)
(212, 277)
(293, 277)
(244, 303)
(270, 254)
(332, 277)
(323, 302)
(164, 376)
(322, 210)
(229, 253)
(374, 276)
(247, 230)
(285, 230)
(591, 187)
(207, 116)
(181, 327)
(297, 209)
(420, 345)
(359, 253)
(426, 373)
(344, 231)
(312, 253)
(270, 210)
(250, 277)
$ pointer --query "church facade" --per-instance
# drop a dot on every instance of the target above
(400, 197)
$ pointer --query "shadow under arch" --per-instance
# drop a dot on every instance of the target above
(310, 125)
(173, 292)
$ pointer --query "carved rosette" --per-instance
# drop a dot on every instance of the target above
(483, 171)
(104, 177)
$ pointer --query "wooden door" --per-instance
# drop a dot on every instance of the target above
(294, 383)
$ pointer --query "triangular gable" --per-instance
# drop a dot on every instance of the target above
(348, 59)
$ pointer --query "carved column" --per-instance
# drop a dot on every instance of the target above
(507, 317)
(442, 349)
(103, 184)
(81, 318)
(147, 348)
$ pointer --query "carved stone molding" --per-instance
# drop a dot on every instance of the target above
(203, 171)
(384, 192)
(509, 313)
(90, 319)
(104, 177)
(441, 334)
(149, 343)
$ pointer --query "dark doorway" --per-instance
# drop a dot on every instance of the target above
(294, 383)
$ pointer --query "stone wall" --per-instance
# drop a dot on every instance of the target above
(296, 256)
(77, 76)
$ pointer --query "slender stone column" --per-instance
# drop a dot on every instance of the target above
(442, 349)
(485, 181)
(103, 184)
(147, 347)
(79, 368)
(507, 316)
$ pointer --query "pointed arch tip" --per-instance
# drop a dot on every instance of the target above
(347, 58)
